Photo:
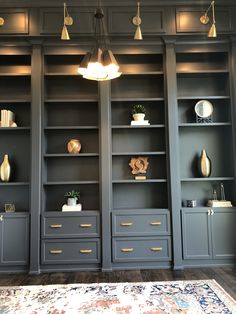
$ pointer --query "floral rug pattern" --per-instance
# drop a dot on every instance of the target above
(174, 297)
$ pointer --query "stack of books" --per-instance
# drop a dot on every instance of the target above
(143, 122)
(7, 118)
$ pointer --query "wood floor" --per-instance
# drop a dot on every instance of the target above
(225, 276)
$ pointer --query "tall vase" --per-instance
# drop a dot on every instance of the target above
(205, 164)
(5, 169)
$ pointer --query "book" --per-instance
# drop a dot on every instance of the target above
(215, 203)
(76, 208)
(144, 122)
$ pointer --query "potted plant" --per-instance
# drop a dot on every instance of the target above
(138, 112)
(72, 197)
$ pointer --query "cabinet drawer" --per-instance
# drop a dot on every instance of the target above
(70, 251)
(141, 249)
(139, 224)
(71, 226)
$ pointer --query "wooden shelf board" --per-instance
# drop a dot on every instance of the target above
(88, 127)
(70, 182)
(204, 124)
(224, 71)
(151, 126)
(137, 99)
(15, 74)
(18, 128)
(14, 183)
(201, 97)
(133, 181)
(70, 100)
(138, 153)
(207, 179)
(71, 155)
(17, 100)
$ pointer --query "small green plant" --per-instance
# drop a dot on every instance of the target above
(138, 109)
(73, 194)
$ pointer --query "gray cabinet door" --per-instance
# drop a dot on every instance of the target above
(223, 223)
(14, 230)
(197, 242)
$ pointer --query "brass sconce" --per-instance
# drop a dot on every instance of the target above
(204, 19)
(67, 21)
(2, 21)
(137, 22)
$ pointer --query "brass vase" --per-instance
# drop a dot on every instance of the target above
(5, 169)
(205, 164)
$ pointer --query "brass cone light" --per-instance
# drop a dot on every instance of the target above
(138, 34)
(204, 19)
(137, 22)
(65, 34)
(67, 21)
(212, 31)
(100, 64)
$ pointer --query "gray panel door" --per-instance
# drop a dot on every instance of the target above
(223, 233)
(14, 240)
(196, 234)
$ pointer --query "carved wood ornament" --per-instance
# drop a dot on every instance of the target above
(139, 165)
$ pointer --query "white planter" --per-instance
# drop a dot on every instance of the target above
(71, 201)
(138, 116)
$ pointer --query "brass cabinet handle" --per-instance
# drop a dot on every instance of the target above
(126, 224)
(127, 250)
(56, 251)
(1, 217)
(155, 223)
(85, 225)
(85, 251)
(155, 249)
(54, 226)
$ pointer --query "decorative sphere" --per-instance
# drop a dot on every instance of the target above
(74, 146)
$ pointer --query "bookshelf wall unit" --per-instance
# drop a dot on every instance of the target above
(15, 95)
(140, 209)
(124, 223)
(70, 112)
(205, 75)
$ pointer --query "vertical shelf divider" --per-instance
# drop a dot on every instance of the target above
(173, 143)
(105, 172)
(36, 87)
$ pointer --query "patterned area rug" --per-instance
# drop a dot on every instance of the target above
(185, 297)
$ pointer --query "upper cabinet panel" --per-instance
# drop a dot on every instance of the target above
(52, 21)
(120, 20)
(188, 20)
(15, 21)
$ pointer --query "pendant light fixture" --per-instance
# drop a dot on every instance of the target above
(137, 22)
(204, 19)
(99, 64)
(67, 21)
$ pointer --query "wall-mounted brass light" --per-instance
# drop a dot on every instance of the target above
(67, 21)
(204, 19)
(137, 22)
(2, 21)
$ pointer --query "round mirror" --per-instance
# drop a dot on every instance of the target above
(203, 108)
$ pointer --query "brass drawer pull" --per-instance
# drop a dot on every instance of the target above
(54, 226)
(155, 223)
(56, 251)
(126, 224)
(127, 250)
(155, 249)
(85, 225)
(85, 251)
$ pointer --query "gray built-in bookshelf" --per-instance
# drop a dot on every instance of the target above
(125, 223)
